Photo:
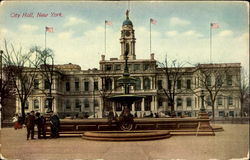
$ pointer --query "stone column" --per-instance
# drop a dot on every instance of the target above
(133, 108)
(142, 105)
(142, 82)
(152, 107)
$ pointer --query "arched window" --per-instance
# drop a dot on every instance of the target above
(189, 102)
(179, 102)
(146, 84)
(137, 84)
(36, 104)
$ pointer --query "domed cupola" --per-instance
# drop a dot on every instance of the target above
(127, 21)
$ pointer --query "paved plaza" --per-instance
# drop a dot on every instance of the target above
(232, 143)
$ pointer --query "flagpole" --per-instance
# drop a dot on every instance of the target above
(45, 38)
(210, 43)
(105, 38)
(150, 34)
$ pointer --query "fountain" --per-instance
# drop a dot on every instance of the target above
(126, 120)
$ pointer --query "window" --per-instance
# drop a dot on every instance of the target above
(108, 67)
(68, 106)
(36, 84)
(188, 84)
(77, 103)
(160, 102)
(86, 86)
(221, 114)
(67, 86)
(26, 105)
(46, 84)
(117, 67)
(96, 86)
(146, 84)
(36, 104)
(137, 84)
(219, 101)
(159, 83)
(189, 102)
(138, 105)
(147, 103)
(108, 84)
(231, 113)
(136, 67)
(219, 81)
(46, 102)
(230, 100)
(229, 80)
(76, 86)
(86, 103)
(145, 67)
(179, 102)
(178, 84)
(208, 81)
(169, 84)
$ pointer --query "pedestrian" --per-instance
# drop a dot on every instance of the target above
(54, 125)
(30, 124)
(40, 121)
(15, 121)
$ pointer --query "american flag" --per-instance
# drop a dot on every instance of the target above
(214, 25)
(49, 29)
(153, 21)
(108, 22)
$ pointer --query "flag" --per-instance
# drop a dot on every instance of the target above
(214, 25)
(49, 29)
(153, 21)
(108, 22)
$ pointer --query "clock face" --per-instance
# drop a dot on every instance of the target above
(127, 33)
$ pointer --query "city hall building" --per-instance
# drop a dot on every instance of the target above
(80, 92)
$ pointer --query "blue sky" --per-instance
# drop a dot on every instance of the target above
(182, 30)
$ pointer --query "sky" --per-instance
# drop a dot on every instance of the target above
(182, 30)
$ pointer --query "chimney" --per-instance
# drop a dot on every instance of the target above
(103, 57)
(152, 56)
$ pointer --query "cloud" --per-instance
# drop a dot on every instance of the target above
(175, 21)
(28, 28)
(171, 33)
(192, 33)
(225, 33)
(72, 21)
(65, 35)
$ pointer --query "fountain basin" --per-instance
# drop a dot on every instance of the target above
(126, 135)
(126, 98)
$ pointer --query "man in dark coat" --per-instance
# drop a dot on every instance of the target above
(54, 125)
(40, 121)
(30, 124)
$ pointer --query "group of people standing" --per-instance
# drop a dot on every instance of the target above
(36, 119)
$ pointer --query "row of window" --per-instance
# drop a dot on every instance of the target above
(179, 84)
(219, 101)
(78, 103)
(219, 81)
(77, 86)
(132, 67)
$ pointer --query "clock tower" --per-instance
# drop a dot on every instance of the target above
(127, 39)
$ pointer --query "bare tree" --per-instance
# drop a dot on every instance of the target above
(211, 78)
(242, 81)
(22, 68)
(6, 93)
(173, 72)
(46, 60)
